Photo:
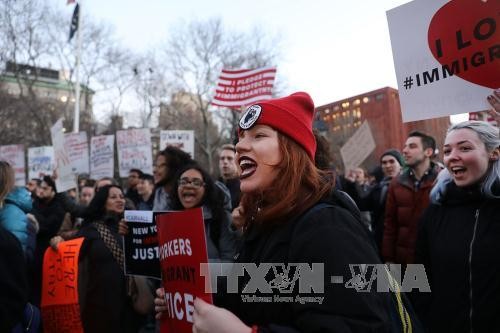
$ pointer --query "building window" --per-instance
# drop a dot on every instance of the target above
(366, 99)
(379, 97)
(345, 105)
(336, 108)
(327, 111)
(356, 102)
(356, 113)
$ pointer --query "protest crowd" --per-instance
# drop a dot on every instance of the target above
(273, 204)
(279, 238)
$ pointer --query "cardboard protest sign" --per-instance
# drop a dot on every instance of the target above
(78, 149)
(40, 161)
(182, 244)
(446, 56)
(358, 147)
(14, 155)
(141, 244)
(65, 177)
(183, 140)
(134, 151)
(102, 162)
(60, 307)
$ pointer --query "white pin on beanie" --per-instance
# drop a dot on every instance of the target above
(292, 115)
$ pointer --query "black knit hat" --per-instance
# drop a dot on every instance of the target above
(396, 154)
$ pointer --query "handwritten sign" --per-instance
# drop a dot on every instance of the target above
(134, 151)
(65, 177)
(141, 244)
(40, 161)
(14, 155)
(446, 56)
(77, 146)
(183, 140)
(60, 307)
(358, 147)
(102, 161)
(182, 244)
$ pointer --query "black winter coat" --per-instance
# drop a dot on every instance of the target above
(50, 217)
(234, 188)
(104, 304)
(374, 202)
(13, 283)
(330, 236)
(459, 244)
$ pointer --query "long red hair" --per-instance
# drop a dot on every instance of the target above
(299, 186)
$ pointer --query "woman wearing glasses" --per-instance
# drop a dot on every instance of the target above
(195, 188)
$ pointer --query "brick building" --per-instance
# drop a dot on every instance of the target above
(338, 121)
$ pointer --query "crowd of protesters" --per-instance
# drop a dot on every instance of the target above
(278, 200)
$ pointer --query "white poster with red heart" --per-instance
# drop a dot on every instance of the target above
(446, 55)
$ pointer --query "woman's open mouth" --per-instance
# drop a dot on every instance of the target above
(458, 171)
(248, 167)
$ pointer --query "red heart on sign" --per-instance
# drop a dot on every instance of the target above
(464, 37)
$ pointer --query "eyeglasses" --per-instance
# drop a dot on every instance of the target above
(195, 182)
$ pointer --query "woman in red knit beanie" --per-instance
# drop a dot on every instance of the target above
(291, 214)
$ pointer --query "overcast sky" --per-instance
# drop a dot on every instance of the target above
(331, 49)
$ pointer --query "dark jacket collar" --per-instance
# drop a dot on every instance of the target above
(408, 179)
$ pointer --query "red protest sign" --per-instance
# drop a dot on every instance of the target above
(60, 308)
(182, 247)
(464, 36)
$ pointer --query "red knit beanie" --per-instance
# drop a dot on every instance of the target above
(291, 115)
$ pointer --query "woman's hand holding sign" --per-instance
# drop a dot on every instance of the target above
(160, 304)
(210, 318)
(207, 317)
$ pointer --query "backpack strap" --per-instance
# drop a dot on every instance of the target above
(400, 298)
